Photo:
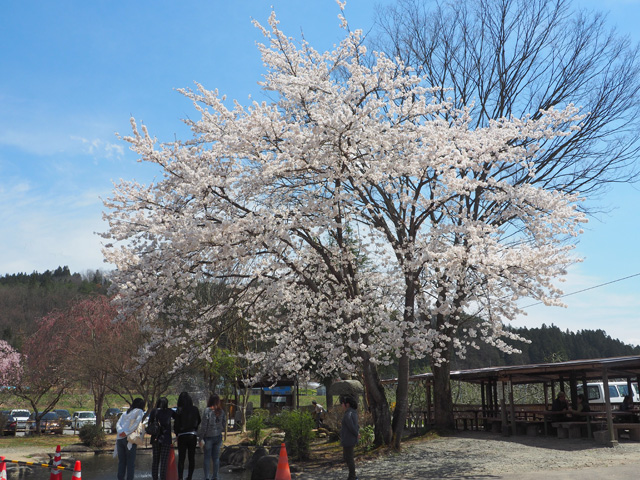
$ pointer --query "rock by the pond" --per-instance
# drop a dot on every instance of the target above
(265, 468)
(259, 453)
(235, 456)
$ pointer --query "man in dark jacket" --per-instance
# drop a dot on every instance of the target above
(349, 432)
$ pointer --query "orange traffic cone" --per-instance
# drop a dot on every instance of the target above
(3, 469)
(55, 473)
(172, 466)
(76, 471)
(283, 473)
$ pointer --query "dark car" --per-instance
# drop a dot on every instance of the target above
(112, 415)
(112, 412)
(49, 423)
(65, 416)
(8, 423)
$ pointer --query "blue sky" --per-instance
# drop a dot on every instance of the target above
(73, 72)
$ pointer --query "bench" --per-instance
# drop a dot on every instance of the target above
(569, 429)
(634, 430)
(530, 427)
(493, 424)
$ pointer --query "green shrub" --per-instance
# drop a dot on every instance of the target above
(298, 432)
(92, 436)
(367, 436)
(256, 424)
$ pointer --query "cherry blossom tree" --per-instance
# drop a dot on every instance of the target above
(44, 367)
(359, 219)
(95, 344)
(503, 58)
(10, 369)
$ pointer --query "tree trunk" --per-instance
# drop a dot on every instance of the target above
(378, 405)
(402, 401)
(243, 409)
(442, 402)
(327, 382)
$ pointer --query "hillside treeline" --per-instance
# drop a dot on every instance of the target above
(549, 344)
(26, 298)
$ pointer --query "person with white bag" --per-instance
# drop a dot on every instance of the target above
(130, 431)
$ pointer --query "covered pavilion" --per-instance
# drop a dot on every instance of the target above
(497, 382)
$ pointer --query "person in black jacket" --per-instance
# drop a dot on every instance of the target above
(560, 407)
(161, 441)
(349, 433)
(185, 426)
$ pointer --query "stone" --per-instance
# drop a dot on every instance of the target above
(265, 468)
(259, 453)
(236, 456)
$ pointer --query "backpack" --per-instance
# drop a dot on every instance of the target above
(154, 428)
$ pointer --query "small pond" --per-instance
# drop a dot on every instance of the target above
(105, 467)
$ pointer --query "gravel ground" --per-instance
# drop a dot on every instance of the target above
(471, 455)
(481, 455)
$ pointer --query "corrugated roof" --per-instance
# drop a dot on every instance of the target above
(616, 367)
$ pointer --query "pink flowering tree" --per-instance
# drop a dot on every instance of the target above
(358, 219)
(10, 365)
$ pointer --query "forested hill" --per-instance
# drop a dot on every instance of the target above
(26, 298)
(549, 344)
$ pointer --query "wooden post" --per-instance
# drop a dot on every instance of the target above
(573, 388)
(504, 419)
(607, 399)
(503, 416)
(512, 409)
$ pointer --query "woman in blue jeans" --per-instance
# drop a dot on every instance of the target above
(125, 450)
(211, 429)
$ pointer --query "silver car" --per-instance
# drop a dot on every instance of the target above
(21, 417)
(82, 418)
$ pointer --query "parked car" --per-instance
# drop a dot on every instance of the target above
(81, 418)
(21, 416)
(65, 416)
(617, 392)
(8, 423)
(112, 415)
(112, 412)
(49, 423)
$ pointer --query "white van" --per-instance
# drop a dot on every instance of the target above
(617, 391)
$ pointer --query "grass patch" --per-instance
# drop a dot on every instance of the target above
(47, 442)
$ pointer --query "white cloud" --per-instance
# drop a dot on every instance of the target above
(100, 148)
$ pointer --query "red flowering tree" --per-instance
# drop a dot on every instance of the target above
(94, 334)
(42, 376)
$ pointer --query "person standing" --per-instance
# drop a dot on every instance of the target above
(161, 441)
(349, 433)
(318, 412)
(185, 426)
(125, 450)
(210, 434)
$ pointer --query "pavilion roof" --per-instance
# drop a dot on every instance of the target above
(590, 369)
